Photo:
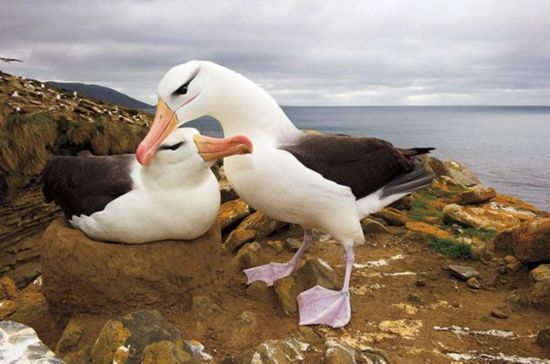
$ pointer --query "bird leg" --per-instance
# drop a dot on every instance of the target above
(271, 272)
(319, 305)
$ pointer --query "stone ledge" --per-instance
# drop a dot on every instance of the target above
(83, 275)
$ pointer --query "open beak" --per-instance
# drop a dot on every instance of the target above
(165, 121)
(211, 149)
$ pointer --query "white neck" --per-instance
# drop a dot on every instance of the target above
(245, 108)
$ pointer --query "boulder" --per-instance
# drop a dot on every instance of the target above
(475, 195)
(455, 213)
(262, 224)
(528, 241)
(463, 272)
(20, 344)
(371, 226)
(238, 238)
(313, 272)
(392, 216)
(144, 337)
(232, 212)
(540, 287)
(457, 171)
(83, 275)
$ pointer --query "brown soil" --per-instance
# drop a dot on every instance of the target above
(425, 297)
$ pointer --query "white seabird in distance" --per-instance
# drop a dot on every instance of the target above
(317, 181)
(114, 198)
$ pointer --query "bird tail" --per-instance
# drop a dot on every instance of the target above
(409, 182)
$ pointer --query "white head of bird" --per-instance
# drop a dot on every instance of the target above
(201, 88)
(190, 156)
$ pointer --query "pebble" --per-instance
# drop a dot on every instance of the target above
(543, 338)
(293, 244)
(420, 283)
(463, 272)
(502, 269)
(473, 283)
(498, 313)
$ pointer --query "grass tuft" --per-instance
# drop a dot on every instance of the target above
(450, 248)
(483, 234)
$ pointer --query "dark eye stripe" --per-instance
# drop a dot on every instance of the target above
(182, 90)
(170, 147)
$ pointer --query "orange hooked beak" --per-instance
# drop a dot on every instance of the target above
(211, 149)
(164, 122)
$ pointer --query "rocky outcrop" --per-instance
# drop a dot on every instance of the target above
(540, 287)
(144, 337)
(255, 226)
(475, 195)
(392, 216)
(232, 212)
(20, 344)
(83, 275)
(456, 170)
(529, 241)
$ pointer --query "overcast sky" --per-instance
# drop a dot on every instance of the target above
(398, 52)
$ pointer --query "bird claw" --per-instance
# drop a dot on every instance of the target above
(319, 305)
(268, 273)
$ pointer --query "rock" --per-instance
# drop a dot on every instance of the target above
(501, 268)
(338, 353)
(427, 230)
(196, 349)
(112, 336)
(226, 191)
(247, 257)
(540, 287)
(205, 308)
(457, 171)
(512, 263)
(293, 244)
(9, 289)
(498, 313)
(543, 337)
(276, 245)
(238, 238)
(313, 272)
(165, 352)
(519, 298)
(282, 351)
(464, 272)
(392, 216)
(475, 195)
(261, 224)
(232, 212)
(528, 241)
(309, 335)
(20, 344)
(259, 291)
(420, 283)
(371, 226)
(141, 336)
(404, 203)
(474, 283)
(130, 274)
(70, 338)
(455, 213)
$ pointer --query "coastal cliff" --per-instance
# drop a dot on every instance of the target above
(453, 272)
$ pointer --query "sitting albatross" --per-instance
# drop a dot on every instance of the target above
(317, 181)
(114, 198)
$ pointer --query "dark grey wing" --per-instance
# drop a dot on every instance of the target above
(363, 164)
(86, 184)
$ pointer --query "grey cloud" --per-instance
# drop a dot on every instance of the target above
(308, 52)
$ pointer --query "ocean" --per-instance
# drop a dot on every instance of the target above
(508, 147)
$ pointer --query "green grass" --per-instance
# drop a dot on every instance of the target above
(450, 248)
(420, 206)
(483, 234)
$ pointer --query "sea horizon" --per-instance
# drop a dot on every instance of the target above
(504, 145)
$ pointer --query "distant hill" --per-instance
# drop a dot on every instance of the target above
(101, 93)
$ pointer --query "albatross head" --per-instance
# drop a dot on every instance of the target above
(186, 92)
(187, 145)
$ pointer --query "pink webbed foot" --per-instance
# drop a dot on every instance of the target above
(268, 273)
(319, 305)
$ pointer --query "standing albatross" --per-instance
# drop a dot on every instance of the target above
(114, 198)
(317, 181)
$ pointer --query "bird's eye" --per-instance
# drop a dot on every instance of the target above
(182, 90)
